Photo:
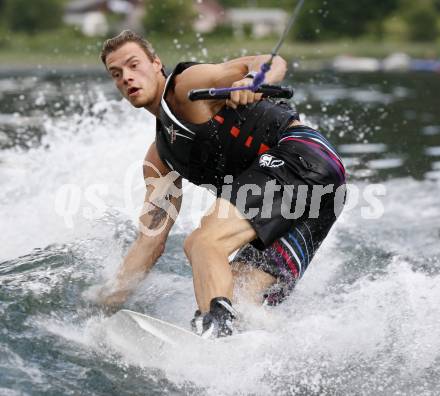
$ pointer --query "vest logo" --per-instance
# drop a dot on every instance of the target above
(171, 132)
(269, 161)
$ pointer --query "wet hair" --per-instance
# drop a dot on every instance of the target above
(126, 36)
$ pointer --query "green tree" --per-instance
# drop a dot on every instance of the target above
(32, 16)
(322, 19)
(421, 19)
(169, 17)
(256, 3)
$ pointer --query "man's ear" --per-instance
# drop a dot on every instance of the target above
(157, 64)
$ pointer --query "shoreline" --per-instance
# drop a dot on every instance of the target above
(24, 55)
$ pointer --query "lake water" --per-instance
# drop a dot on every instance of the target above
(363, 320)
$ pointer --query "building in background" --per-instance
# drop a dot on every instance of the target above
(92, 16)
(262, 21)
(210, 15)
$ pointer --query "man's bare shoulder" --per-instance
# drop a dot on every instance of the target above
(208, 75)
(197, 76)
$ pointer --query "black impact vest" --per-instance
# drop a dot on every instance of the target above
(226, 144)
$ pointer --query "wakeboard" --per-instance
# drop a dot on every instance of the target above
(150, 339)
(155, 331)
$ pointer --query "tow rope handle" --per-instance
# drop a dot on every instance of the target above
(268, 91)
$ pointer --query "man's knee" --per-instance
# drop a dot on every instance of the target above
(192, 242)
(201, 240)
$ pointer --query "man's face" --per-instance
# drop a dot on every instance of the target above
(134, 74)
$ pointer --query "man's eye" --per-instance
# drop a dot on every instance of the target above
(133, 66)
(115, 75)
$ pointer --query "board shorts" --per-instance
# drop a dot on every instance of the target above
(291, 194)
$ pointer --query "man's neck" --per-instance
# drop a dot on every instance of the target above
(154, 108)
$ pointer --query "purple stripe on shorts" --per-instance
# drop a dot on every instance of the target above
(339, 168)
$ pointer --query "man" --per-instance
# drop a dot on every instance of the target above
(241, 145)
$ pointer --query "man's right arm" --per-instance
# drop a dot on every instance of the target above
(161, 206)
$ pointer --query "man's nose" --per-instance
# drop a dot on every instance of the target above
(127, 76)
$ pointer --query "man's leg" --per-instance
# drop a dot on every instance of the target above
(250, 283)
(221, 232)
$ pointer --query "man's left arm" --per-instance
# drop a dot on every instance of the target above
(275, 75)
(230, 74)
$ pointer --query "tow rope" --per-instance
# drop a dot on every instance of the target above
(258, 81)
